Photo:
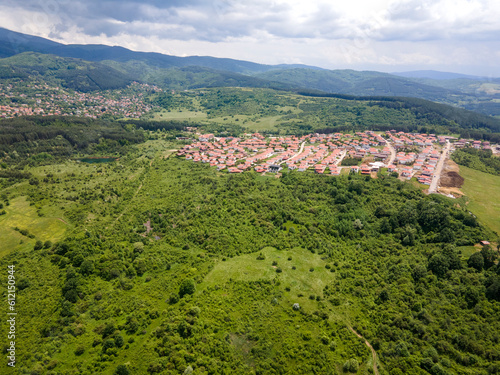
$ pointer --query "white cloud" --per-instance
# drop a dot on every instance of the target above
(454, 34)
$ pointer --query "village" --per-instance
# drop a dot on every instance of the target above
(407, 154)
(21, 98)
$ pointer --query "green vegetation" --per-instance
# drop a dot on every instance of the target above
(23, 225)
(350, 161)
(481, 160)
(44, 140)
(74, 74)
(166, 266)
(288, 113)
(483, 190)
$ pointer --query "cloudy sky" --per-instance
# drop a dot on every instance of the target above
(386, 35)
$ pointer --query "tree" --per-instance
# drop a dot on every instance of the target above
(493, 291)
(476, 261)
(122, 370)
(38, 245)
(87, 267)
(187, 287)
(438, 264)
(418, 272)
(489, 256)
(351, 365)
(119, 341)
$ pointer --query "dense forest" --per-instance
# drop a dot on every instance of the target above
(31, 138)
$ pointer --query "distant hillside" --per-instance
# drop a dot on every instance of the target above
(438, 113)
(433, 74)
(71, 73)
(191, 77)
(358, 83)
(12, 43)
(203, 71)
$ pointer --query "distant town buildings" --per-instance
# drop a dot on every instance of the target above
(29, 98)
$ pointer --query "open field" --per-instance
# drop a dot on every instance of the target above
(300, 280)
(483, 190)
(22, 215)
(184, 115)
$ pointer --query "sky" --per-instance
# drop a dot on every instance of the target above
(460, 36)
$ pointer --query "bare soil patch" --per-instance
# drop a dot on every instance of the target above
(456, 192)
(450, 177)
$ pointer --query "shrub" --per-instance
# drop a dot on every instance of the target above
(187, 287)
(79, 350)
(122, 370)
(351, 365)
(476, 261)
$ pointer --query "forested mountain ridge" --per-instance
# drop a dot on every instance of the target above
(179, 72)
(12, 43)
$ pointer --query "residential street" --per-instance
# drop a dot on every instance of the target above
(439, 168)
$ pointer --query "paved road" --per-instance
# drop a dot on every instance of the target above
(298, 153)
(439, 168)
(393, 153)
(342, 156)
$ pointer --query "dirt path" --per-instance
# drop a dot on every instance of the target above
(374, 353)
(393, 153)
(450, 177)
(126, 208)
(133, 197)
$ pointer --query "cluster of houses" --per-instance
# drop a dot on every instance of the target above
(314, 151)
(20, 98)
(478, 145)
(408, 154)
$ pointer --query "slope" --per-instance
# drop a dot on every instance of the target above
(71, 73)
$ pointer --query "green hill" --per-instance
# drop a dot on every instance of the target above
(71, 73)
(360, 83)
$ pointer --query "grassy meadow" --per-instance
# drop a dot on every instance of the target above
(483, 190)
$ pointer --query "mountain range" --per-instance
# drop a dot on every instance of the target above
(92, 67)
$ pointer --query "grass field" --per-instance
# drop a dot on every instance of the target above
(300, 281)
(179, 115)
(467, 251)
(483, 190)
(23, 216)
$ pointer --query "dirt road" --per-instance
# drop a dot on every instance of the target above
(393, 153)
(374, 353)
